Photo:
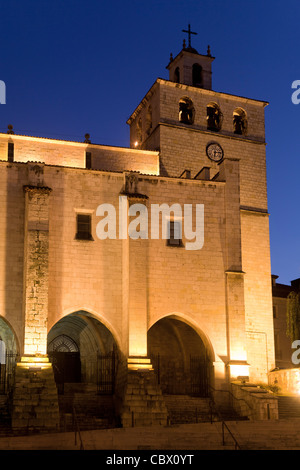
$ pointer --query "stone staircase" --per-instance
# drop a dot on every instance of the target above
(185, 409)
(288, 407)
(143, 403)
(5, 418)
(92, 411)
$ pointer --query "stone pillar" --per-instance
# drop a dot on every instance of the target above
(35, 399)
(234, 276)
(135, 259)
(36, 252)
(142, 400)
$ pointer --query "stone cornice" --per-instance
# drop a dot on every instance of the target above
(40, 189)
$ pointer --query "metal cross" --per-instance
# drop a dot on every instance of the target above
(189, 33)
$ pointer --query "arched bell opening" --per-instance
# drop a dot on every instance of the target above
(181, 360)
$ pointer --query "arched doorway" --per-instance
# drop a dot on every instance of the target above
(180, 358)
(83, 351)
(65, 357)
(8, 356)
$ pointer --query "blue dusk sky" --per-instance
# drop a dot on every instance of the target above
(77, 66)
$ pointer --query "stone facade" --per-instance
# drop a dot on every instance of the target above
(254, 402)
(283, 344)
(221, 291)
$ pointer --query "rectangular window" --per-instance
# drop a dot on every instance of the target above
(175, 234)
(84, 227)
(88, 160)
(274, 311)
(10, 152)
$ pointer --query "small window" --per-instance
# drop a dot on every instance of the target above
(186, 111)
(175, 237)
(177, 75)
(84, 227)
(214, 117)
(10, 152)
(88, 160)
(274, 311)
(197, 75)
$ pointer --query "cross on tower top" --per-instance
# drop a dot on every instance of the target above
(189, 33)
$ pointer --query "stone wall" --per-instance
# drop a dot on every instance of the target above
(35, 401)
(73, 154)
(254, 402)
(93, 275)
(288, 380)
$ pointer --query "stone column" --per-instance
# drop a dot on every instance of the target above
(36, 253)
(142, 400)
(35, 399)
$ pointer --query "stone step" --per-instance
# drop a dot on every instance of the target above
(187, 409)
(92, 411)
(288, 407)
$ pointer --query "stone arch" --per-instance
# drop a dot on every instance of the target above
(9, 353)
(182, 358)
(194, 325)
(93, 339)
(9, 337)
(240, 121)
(186, 110)
(214, 117)
(90, 313)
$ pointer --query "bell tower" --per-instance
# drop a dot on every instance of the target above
(191, 68)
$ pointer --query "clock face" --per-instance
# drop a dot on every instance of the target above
(214, 152)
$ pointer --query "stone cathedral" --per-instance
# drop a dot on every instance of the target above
(137, 320)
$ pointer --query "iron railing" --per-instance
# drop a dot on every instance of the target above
(77, 430)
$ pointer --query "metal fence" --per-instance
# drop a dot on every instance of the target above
(106, 373)
(7, 372)
(174, 379)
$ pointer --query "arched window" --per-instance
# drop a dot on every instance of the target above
(63, 343)
(197, 75)
(177, 75)
(214, 117)
(239, 121)
(186, 111)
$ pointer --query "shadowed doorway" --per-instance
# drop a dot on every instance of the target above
(180, 359)
(82, 350)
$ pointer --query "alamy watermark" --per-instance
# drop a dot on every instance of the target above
(2, 92)
(183, 222)
(296, 354)
(296, 94)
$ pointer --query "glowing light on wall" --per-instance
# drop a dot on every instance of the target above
(35, 362)
(137, 363)
(238, 369)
